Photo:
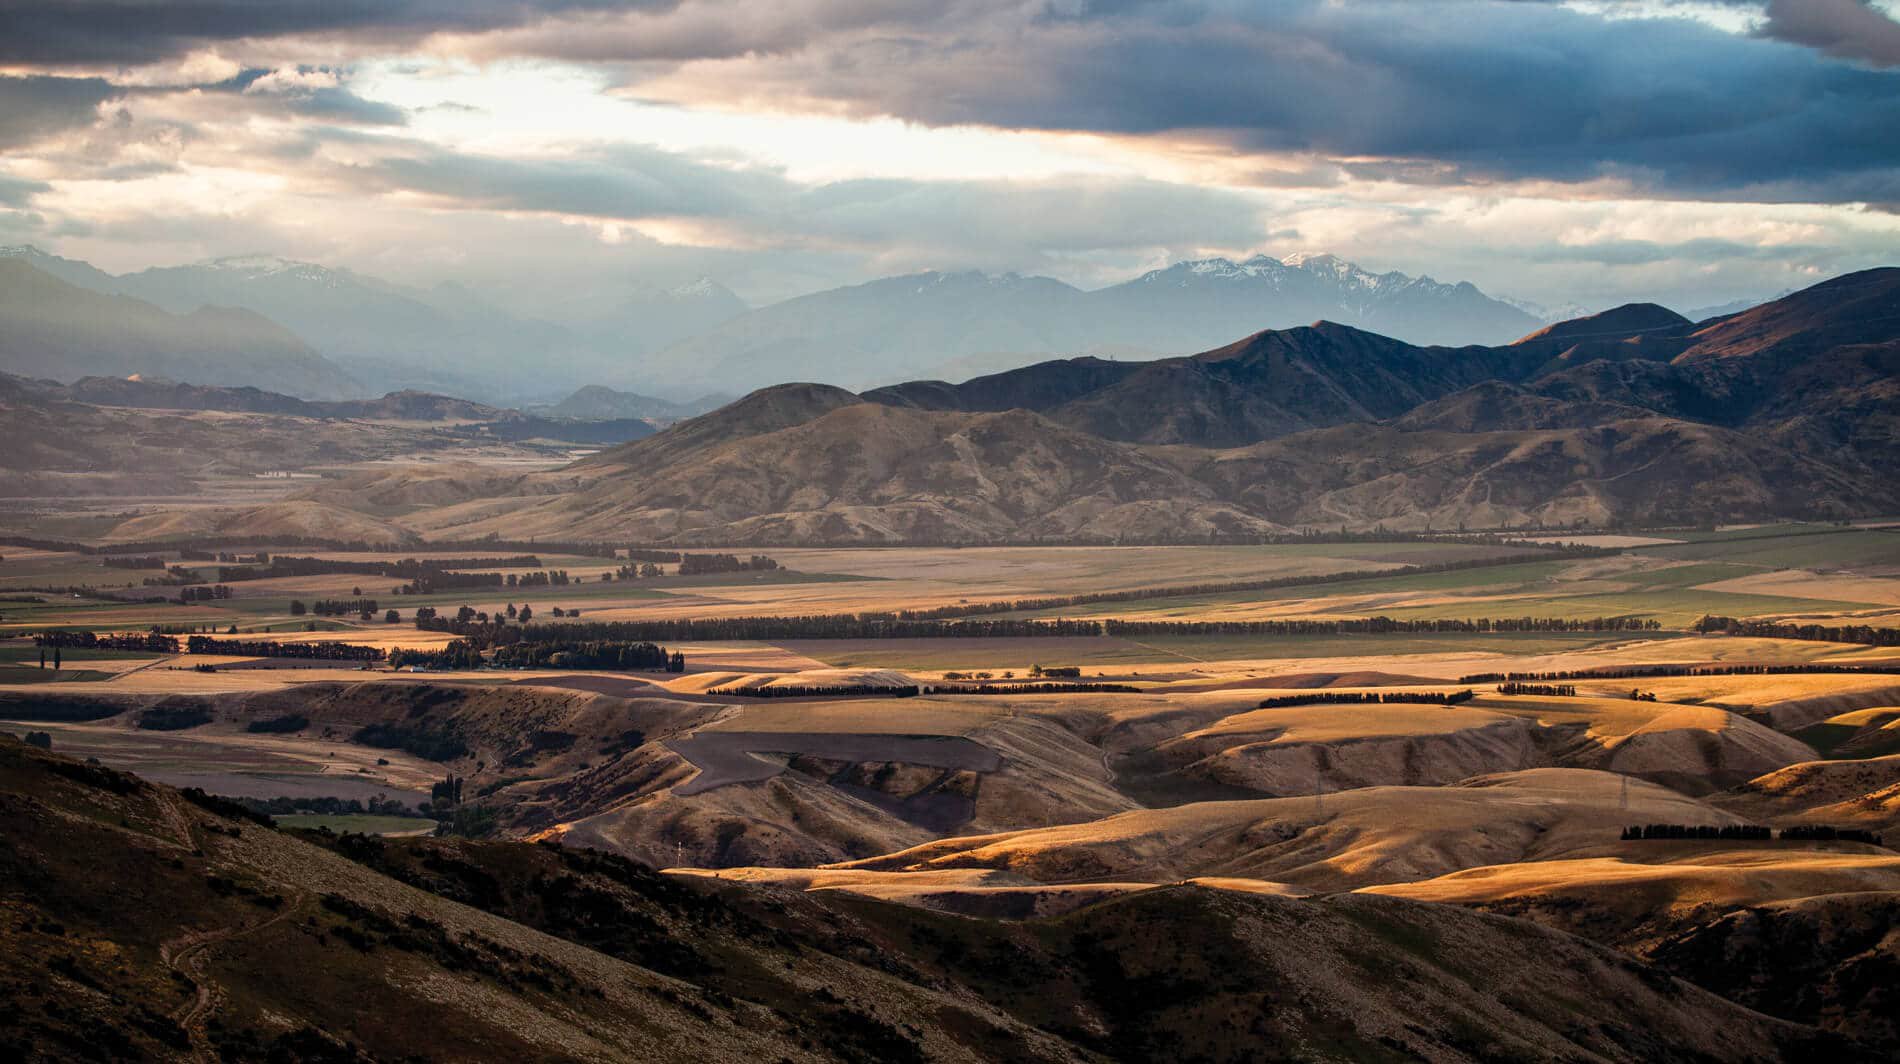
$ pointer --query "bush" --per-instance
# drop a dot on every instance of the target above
(426, 743)
(174, 718)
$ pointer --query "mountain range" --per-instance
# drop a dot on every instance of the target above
(700, 338)
(1633, 416)
(956, 324)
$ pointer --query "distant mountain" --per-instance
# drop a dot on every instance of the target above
(648, 319)
(1634, 415)
(443, 339)
(934, 324)
(52, 328)
(595, 402)
(1217, 299)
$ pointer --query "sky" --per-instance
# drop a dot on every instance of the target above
(1579, 153)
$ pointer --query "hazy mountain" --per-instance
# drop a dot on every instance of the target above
(52, 328)
(884, 331)
(595, 402)
(1631, 415)
(1205, 302)
(933, 324)
(443, 339)
(648, 319)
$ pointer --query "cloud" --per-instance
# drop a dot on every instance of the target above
(36, 107)
(320, 93)
(147, 31)
(1456, 90)
(991, 224)
(1852, 29)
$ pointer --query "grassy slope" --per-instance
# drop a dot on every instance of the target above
(244, 941)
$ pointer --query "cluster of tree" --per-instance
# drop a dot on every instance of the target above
(43, 740)
(596, 654)
(1645, 672)
(816, 691)
(1543, 690)
(446, 792)
(430, 744)
(174, 717)
(147, 642)
(139, 561)
(470, 625)
(1368, 698)
(318, 651)
(292, 722)
(1753, 832)
(439, 580)
(1031, 689)
(1637, 695)
(1055, 671)
(1821, 633)
(1380, 626)
(458, 655)
(1063, 602)
(362, 607)
(695, 564)
(638, 554)
(212, 593)
(631, 571)
(1828, 833)
(327, 805)
(542, 578)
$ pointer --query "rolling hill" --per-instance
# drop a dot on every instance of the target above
(245, 941)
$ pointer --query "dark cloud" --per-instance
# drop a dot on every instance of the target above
(32, 108)
(1420, 91)
(143, 31)
(1853, 29)
(17, 191)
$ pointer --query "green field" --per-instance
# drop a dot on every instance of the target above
(1830, 549)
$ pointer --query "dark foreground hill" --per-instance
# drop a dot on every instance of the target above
(142, 923)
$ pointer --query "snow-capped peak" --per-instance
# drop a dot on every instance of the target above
(696, 288)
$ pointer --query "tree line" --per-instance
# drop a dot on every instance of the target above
(487, 632)
(320, 651)
(816, 691)
(1644, 672)
(1363, 698)
(696, 564)
(146, 642)
(1379, 626)
(1750, 832)
(1543, 690)
(1031, 689)
(1864, 634)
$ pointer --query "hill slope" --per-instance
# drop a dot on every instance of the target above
(144, 924)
